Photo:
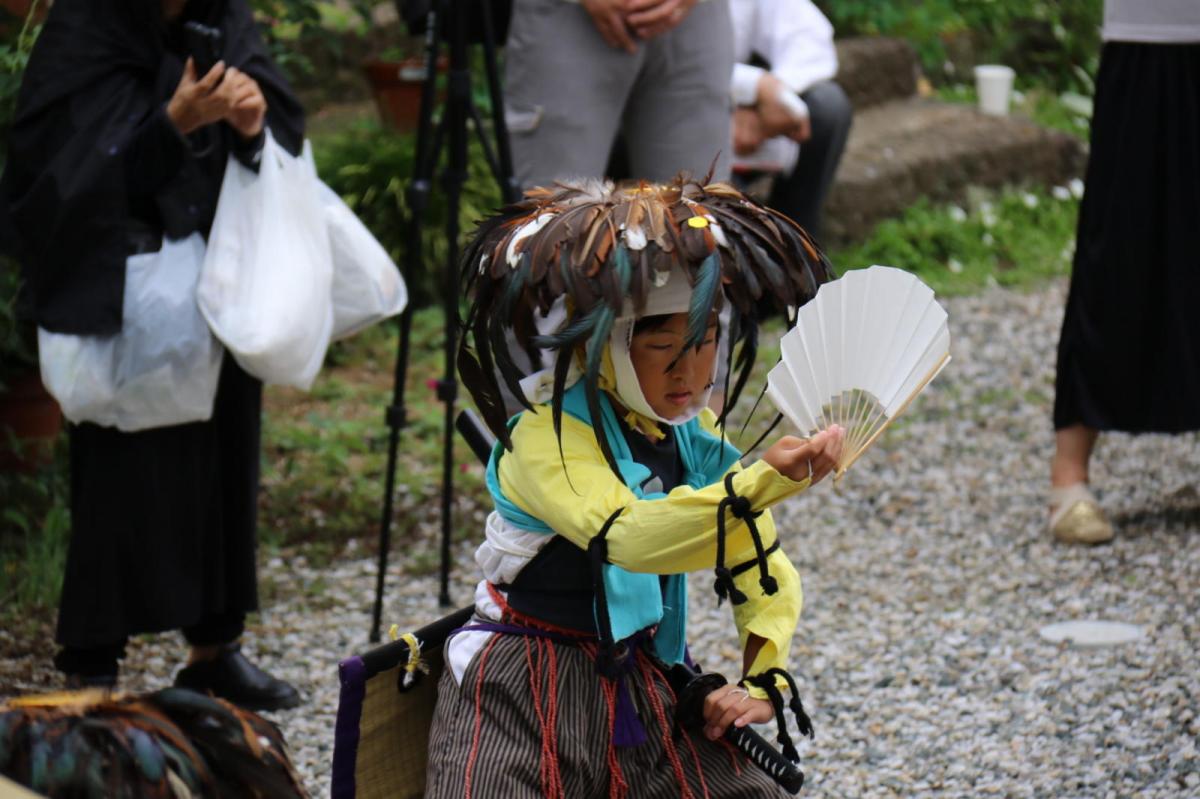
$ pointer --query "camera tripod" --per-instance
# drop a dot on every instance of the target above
(457, 22)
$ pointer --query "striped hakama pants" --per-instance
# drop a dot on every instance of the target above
(532, 718)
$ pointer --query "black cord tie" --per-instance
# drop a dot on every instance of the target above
(724, 584)
(610, 657)
(766, 681)
(803, 722)
(741, 508)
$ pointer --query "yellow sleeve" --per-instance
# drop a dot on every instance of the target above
(772, 617)
(673, 534)
(574, 496)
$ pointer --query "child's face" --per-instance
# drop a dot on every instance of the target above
(670, 392)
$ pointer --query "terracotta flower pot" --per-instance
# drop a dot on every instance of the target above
(397, 89)
(33, 417)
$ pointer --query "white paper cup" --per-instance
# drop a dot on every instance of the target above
(993, 83)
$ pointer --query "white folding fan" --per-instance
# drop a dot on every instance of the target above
(861, 349)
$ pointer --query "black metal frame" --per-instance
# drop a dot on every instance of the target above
(445, 19)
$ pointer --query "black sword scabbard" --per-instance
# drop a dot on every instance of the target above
(691, 688)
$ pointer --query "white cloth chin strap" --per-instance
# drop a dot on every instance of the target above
(629, 390)
(673, 296)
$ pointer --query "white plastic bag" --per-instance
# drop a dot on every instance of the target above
(267, 280)
(161, 369)
(367, 286)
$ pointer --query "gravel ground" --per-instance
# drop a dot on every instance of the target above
(927, 575)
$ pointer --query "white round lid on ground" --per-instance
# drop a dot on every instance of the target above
(1091, 632)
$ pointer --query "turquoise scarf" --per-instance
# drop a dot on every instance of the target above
(635, 601)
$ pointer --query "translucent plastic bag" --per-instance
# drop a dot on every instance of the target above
(367, 286)
(266, 287)
(161, 369)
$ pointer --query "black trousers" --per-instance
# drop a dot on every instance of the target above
(801, 194)
(163, 528)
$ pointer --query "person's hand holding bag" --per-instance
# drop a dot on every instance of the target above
(249, 106)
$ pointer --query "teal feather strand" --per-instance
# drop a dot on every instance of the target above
(624, 267)
(595, 346)
(572, 334)
(149, 757)
(562, 365)
(704, 296)
(183, 766)
(595, 352)
(8, 725)
(39, 758)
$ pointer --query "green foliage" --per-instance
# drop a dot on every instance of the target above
(18, 348)
(325, 453)
(1054, 43)
(34, 529)
(371, 168)
(1015, 239)
(1069, 112)
(14, 55)
(293, 27)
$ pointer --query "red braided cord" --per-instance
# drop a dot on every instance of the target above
(478, 715)
(531, 621)
(696, 759)
(552, 657)
(685, 791)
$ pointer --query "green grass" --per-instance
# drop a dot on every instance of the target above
(34, 525)
(1015, 239)
(325, 452)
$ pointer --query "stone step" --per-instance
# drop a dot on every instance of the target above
(876, 69)
(903, 150)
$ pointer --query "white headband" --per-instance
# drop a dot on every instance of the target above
(670, 297)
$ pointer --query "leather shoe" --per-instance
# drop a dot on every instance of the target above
(231, 676)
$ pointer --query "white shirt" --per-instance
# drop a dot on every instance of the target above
(797, 40)
(1156, 21)
(792, 35)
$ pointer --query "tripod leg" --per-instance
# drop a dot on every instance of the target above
(428, 145)
(504, 173)
(453, 178)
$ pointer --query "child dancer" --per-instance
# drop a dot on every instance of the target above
(614, 484)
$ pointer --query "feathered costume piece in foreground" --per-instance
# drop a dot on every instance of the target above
(598, 246)
(173, 743)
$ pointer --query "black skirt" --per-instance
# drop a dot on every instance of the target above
(163, 531)
(1129, 355)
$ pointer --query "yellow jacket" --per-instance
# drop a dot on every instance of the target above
(670, 535)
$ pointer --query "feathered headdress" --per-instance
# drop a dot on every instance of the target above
(603, 249)
(172, 743)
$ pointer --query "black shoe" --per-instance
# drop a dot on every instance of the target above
(231, 676)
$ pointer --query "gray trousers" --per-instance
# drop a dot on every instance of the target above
(568, 93)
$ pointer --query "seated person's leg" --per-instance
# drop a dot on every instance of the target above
(802, 194)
